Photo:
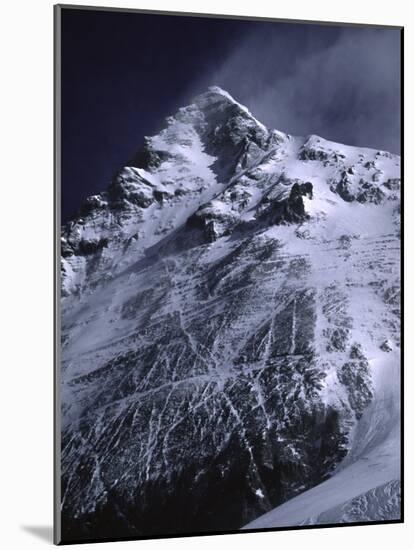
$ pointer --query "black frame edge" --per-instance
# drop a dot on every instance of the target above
(56, 275)
(402, 275)
(226, 16)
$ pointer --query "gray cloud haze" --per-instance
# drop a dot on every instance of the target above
(342, 83)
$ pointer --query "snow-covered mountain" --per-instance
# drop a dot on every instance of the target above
(231, 333)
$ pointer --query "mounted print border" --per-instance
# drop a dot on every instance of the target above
(228, 341)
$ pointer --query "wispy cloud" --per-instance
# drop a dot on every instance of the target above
(341, 83)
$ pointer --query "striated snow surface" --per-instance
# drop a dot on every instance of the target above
(366, 485)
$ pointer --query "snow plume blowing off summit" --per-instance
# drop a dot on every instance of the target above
(231, 334)
(344, 85)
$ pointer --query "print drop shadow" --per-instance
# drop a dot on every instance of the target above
(43, 532)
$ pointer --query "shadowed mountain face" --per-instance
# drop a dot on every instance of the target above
(224, 304)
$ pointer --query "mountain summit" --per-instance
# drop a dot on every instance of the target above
(231, 332)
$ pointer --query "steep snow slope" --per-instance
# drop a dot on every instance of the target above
(230, 306)
(366, 485)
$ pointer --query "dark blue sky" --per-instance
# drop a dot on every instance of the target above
(123, 73)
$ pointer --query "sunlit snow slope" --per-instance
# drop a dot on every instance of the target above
(231, 333)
